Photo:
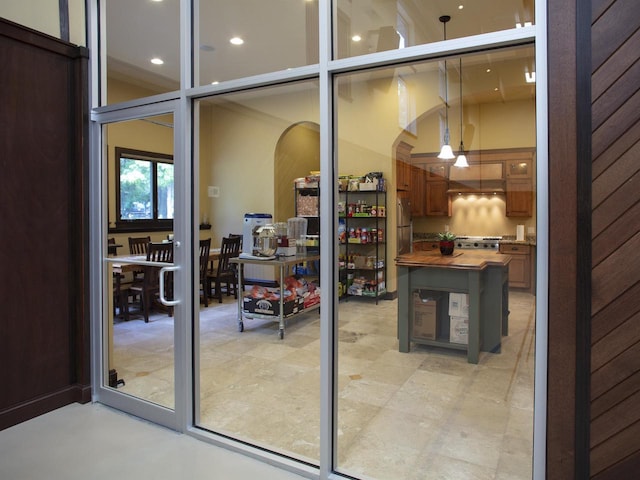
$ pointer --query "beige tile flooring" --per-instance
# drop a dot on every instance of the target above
(419, 415)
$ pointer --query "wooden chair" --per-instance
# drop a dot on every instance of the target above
(138, 246)
(149, 288)
(234, 235)
(120, 290)
(205, 247)
(225, 274)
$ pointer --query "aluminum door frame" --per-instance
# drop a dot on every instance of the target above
(183, 241)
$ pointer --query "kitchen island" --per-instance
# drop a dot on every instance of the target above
(480, 274)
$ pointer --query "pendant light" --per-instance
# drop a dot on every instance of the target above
(446, 153)
(461, 161)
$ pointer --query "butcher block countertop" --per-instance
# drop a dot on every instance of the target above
(461, 259)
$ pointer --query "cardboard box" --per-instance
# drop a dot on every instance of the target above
(424, 316)
(459, 330)
(271, 307)
(311, 299)
(459, 304)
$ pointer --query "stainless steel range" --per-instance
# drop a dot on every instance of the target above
(484, 243)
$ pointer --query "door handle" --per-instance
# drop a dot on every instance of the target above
(164, 301)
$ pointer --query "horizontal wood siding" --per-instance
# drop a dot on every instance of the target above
(615, 332)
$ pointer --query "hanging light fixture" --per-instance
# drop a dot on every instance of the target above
(461, 161)
(446, 153)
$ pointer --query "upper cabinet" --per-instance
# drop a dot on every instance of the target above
(509, 172)
(403, 166)
(519, 187)
(417, 191)
(519, 168)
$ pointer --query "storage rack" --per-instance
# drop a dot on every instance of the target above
(307, 205)
(363, 265)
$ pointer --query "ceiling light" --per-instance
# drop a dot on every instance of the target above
(488, 70)
(215, 83)
(157, 61)
(356, 38)
(461, 161)
(236, 41)
(446, 153)
(460, 7)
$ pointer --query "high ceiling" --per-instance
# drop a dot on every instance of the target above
(279, 34)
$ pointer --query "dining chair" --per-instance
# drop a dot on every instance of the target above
(225, 273)
(149, 288)
(120, 290)
(205, 247)
(138, 246)
(234, 235)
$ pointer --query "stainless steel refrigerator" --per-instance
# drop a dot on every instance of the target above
(405, 228)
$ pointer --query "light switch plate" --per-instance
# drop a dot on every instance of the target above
(213, 192)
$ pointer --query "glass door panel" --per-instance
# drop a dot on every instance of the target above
(140, 288)
(254, 384)
(424, 386)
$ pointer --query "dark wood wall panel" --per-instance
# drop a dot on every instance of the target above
(42, 327)
(562, 266)
(615, 327)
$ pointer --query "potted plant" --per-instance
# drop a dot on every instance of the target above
(446, 242)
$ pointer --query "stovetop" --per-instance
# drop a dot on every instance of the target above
(471, 242)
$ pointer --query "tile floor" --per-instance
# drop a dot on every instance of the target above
(419, 415)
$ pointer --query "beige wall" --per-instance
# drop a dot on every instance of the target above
(238, 150)
(44, 16)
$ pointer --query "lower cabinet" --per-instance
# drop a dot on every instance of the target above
(521, 267)
(425, 245)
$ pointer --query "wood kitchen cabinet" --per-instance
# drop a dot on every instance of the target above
(426, 245)
(417, 191)
(521, 267)
(403, 166)
(437, 199)
(519, 198)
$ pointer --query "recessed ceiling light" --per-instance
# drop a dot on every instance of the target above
(460, 7)
(356, 38)
(236, 41)
(496, 89)
(215, 83)
(488, 70)
(157, 61)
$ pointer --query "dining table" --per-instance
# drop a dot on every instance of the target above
(127, 263)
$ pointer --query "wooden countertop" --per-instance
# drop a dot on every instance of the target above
(461, 259)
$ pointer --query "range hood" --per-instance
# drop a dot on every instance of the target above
(478, 178)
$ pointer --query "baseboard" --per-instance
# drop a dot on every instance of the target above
(38, 406)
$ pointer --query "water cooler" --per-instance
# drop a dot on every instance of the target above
(251, 222)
